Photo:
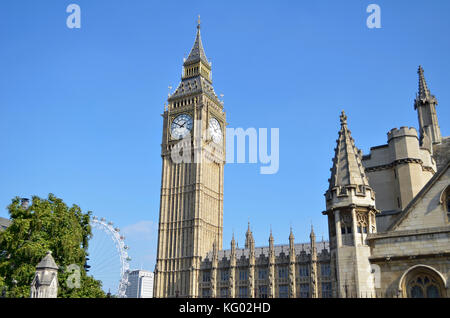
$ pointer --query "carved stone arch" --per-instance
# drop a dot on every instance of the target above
(444, 194)
(422, 273)
(444, 200)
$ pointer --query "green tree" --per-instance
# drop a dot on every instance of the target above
(45, 225)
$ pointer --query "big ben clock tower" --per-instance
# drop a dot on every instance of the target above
(191, 206)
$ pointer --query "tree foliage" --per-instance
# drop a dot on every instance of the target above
(46, 225)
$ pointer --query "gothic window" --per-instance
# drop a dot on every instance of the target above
(243, 274)
(304, 290)
(224, 275)
(243, 292)
(362, 220)
(423, 286)
(326, 290)
(325, 270)
(424, 283)
(283, 291)
(303, 271)
(346, 229)
(263, 292)
(346, 223)
(206, 276)
(206, 293)
(262, 273)
(283, 272)
(224, 292)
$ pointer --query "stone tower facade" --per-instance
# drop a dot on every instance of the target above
(45, 281)
(350, 203)
(191, 206)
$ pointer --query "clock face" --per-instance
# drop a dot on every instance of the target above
(181, 126)
(215, 130)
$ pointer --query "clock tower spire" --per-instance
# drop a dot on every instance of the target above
(191, 206)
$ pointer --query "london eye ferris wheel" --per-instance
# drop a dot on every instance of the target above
(108, 256)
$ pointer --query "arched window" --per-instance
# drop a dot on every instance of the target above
(423, 282)
(448, 204)
(445, 201)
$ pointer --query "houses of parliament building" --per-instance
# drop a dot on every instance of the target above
(388, 211)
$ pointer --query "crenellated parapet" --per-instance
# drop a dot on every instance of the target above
(402, 132)
(398, 170)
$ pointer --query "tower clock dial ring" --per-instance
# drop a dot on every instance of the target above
(181, 126)
(215, 130)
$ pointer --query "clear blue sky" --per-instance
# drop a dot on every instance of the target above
(80, 108)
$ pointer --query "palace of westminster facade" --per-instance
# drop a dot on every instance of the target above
(388, 212)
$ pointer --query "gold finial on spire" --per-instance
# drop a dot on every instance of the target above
(198, 22)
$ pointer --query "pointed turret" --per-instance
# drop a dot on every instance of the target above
(292, 261)
(425, 104)
(291, 246)
(271, 266)
(347, 167)
(348, 182)
(47, 262)
(271, 240)
(313, 265)
(350, 203)
(45, 281)
(312, 236)
(291, 240)
(197, 53)
(291, 235)
(248, 237)
(424, 92)
(233, 245)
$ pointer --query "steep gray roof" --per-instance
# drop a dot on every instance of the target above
(347, 166)
(4, 223)
(47, 262)
(278, 249)
(424, 95)
(192, 86)
(197, 52)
